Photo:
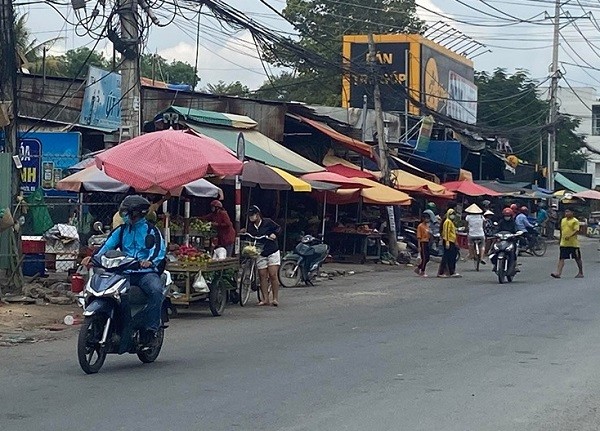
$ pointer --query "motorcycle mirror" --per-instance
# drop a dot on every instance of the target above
(150, 241)
(98, 227)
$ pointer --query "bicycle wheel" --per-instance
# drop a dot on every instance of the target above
(245, 286)
(539, 247)
(476, 258)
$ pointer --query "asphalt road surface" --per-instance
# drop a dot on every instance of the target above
(383, 350)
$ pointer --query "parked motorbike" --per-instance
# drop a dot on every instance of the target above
(436, 247)
(113, 314)
(503, 255)
(304, 262)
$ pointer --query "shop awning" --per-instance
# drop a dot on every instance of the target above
(296, 183)
(470, 188)
(216, 118)
(259, 147)
(374, 194)
(588, 194)
(348, 142)
(412, 183)
(568, 184)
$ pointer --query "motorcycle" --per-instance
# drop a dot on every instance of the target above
(304, 262)
(113, 314)
(503, 255)
(536, 245)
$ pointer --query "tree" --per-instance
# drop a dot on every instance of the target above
(322, 25)
(28, 46)
(154, 66)
(232, 89)
(78, 60)
(513, 105)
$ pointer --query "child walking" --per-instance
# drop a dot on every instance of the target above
(423, 234)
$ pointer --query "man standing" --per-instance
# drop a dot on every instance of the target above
(542, 218)
(569, 244)
(552, 221)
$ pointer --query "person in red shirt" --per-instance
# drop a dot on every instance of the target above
(222, 223)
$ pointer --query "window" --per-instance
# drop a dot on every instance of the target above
(596, 120)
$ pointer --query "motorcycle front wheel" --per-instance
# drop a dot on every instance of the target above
(289, 274)
(501, 274)
(149, 355)
(90, 354)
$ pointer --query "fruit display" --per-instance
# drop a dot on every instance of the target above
(175, 225)
(201, 227)
(188, 254)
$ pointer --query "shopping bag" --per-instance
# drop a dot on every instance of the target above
(200, 284)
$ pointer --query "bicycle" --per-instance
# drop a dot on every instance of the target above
(249, 280)
(477, 252)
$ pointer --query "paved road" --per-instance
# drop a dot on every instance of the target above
(377, 351)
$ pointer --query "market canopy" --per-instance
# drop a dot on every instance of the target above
(408, 182)
(92, 179)
(470, 188)
(349, 172)
(258, 146)
(333, 178)
(568, 184)
(255, 174)
(167, 160)
(373, 194)
(588, 194)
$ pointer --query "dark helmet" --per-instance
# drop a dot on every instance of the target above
(134, 205)
(506, 212)
(254, 210)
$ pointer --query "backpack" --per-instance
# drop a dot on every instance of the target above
(152, 230)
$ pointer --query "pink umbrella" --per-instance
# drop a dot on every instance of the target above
(588, 194)
(470, 188)
(340, 180)
(167, 159)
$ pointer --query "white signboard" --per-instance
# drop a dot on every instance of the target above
(462, 99)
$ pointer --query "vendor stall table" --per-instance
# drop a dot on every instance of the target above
(220, 275)
(355, 246)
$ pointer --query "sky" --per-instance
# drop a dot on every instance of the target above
(517, 32)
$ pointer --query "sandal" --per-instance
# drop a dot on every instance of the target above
(579, 276)
(553, 275)
(275, 304)
(263, 304)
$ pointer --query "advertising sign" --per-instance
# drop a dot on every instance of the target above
(391, 62)
(448, 84)
(45, 157)
(101, 106)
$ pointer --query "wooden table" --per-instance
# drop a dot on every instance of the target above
(220, 275)
(354, 246)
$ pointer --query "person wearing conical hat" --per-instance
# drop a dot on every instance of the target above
(475, 223)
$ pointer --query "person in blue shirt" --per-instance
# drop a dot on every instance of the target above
(131, 239)
(542, 217)
(523, 224)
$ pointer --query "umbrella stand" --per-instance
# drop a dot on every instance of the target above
(285, 216)
(324, 215)
(186, 222)
(337, 212)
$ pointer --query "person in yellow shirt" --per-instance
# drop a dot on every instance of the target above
(448, 234)
(569, 244)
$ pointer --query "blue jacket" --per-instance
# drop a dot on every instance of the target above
(134, 243)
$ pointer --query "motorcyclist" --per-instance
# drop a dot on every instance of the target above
(523, 224)
(132, 238)
(507, 224)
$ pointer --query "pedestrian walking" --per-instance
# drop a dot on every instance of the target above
(569, 244)
(423, 234)
(448, 264)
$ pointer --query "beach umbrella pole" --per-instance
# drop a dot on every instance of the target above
(186, 216)
(285, 216)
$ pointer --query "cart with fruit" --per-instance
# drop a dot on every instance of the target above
(197, 277)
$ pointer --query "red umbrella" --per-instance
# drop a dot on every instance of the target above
(348, 172)
(333, 178)
(470, 188)
(167, 159)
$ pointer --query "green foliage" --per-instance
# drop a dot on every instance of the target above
(321, 26)
(230, 89)
(154, 66)
(513, 101)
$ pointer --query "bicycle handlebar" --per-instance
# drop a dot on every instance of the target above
(255, 237)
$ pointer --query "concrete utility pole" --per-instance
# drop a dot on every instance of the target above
(555, 74)
(382, 144)
(9, 100)
(130, 68)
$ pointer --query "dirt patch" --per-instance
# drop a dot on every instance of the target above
(21, 323)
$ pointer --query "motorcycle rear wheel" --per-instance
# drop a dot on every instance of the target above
(148, 356)
(90, 354)
(287, 278)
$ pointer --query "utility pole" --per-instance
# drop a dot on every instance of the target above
(9, 101)
(130, 67)
(381, 143)
(553, 99)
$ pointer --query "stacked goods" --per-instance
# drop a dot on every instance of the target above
(200, 227)
(188, 254)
